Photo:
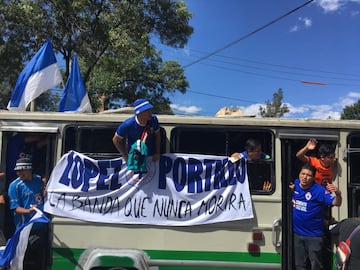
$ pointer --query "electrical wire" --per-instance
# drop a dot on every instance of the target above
(247, 35)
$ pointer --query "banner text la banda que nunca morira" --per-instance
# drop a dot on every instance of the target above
(177, 190)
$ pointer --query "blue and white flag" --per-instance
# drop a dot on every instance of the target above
(12, 256)
(39, 75)
(75, 98)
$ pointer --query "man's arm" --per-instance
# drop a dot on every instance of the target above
(338, 199)
(120, 146)
(301, 154)
(22, 210)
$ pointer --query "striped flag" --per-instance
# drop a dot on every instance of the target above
(12, 256)
(75, 97)
(39, 75)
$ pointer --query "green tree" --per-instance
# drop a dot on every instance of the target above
(112, 39)
(351, 112)
(274, 108)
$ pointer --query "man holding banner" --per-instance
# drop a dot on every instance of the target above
(26, 193)
(143, 126)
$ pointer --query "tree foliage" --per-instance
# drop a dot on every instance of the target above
(113, 41)
(351, 112)
(274, 108)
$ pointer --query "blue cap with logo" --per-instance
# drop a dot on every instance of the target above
(141, 105)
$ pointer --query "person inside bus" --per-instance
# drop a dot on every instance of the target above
(26, 145)
(143, 126)
(325, 163)
(253, 152)
(25, 194)
(326, 171)
(309, 199)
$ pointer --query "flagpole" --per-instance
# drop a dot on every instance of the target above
(32, 106)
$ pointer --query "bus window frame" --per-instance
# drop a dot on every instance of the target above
(78, 133)
(265, 136)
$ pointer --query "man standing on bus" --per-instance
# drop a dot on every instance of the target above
(309, 200)
(143, 126)
(326, 167)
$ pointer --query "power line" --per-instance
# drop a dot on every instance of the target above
(300, 75)
(247, 35)
(223, 97)
(232, 63)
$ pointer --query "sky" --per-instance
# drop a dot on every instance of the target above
(244, 51)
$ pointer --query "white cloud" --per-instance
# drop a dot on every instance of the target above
(186, 51)
(297, 110)
(348, 101)
(307, 22)
(294, 28)
(253, 109)
(318, 111)
(355, 95)
(185, 109)
(331, 5)
(313, 111)
(325, 111)
(326, 115)
(310, 111)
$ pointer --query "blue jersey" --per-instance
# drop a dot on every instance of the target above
(132, 130)
(25, 194)
(308, 209)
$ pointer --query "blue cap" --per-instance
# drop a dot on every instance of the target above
(141, 105)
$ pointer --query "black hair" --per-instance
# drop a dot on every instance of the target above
(326, 150)
(309, 167)
(251, 144)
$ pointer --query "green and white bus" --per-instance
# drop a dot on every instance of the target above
(262, 242)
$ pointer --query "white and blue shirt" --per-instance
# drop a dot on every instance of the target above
(308, 209)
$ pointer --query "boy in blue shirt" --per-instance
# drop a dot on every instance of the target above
(308, 200)
(25, 194)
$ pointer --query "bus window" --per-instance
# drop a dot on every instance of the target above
(38, 146)
(199, 140)
(35, 145)
(260, 177)
(353, 160)
(237, 140)
(95, 141)
(223, 141)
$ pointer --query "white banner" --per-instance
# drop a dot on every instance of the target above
(177, 190)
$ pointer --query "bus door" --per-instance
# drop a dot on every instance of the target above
(292, 140)
(35, 142)
(352, 157)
